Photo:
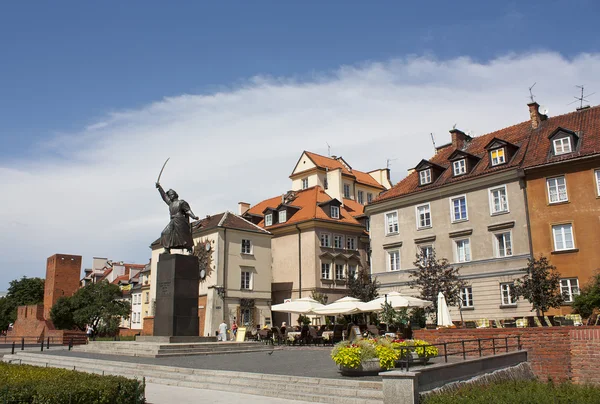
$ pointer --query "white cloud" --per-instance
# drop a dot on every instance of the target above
(99, 199)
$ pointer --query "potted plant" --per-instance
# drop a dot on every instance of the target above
(364, 357)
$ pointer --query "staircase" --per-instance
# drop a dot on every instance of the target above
(158, 350)
(319, 390)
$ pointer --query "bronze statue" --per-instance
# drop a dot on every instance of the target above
(178, 233)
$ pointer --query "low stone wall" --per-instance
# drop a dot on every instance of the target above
(128, 332)
(557, 353)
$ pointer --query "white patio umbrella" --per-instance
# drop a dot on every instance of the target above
(443, 313)
(345, 305)
(305, 305)
(397, 300)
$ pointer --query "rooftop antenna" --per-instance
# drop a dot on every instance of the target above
(388, 163)
(581, 98)
(328, 149)
(531, 93)
(433, 139)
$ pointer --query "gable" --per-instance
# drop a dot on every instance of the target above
(304, 163)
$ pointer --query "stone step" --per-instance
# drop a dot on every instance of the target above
(290, 387)
(161, 350)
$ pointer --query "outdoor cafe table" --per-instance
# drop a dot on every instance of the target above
(293, 335)
(327, 335)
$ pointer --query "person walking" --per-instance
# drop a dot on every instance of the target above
(223, 331)
(234, 328)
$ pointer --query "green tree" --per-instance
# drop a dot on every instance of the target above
(364, 286)
(21, 292)
(433, 276)
(318, 296)
(62, 314)
(588, 299)
(93, 305)
(540, 285)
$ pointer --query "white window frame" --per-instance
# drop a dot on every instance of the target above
(368, 224)
(425, 176)
(346, 189)
(335, 212)
(466, 296)
(341, 276)
(459, 167)
(505, 289)
(243, 280)
(504, 244)
(326, 265)
(395, 226)
(249, 250)
(327, 238)
(353, 273)
(351, 240)
(553, 183)
(597, 175)
(369, 197)
(453, 218)
(499, 158)
(338, 241)
(393, 265)
(561, 232)
(269, 219)
(467, 251)
(418, 214)
(569, 288)
(559, 143)
(282, 215)
(491, 198)
(425, 247)
(360, 197)
(305, 183)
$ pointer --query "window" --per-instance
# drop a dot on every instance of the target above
(427, 252)
(269, 219)
(351, 243)
(394, 260)
(325, 270)
(246, 280)
(246, 246)
(497, 157)
(325, 183)
(335, 212)
(338, 241)
(503, 244)
(346, 191)
(147, 297)
(367, 224)
(391, 222)
(351, 271)
(563, 237)
(463, 250)
(282, 216)
(597, 172)
(339, 271)
(369, 197)
(458, 208)
(466, 296)
(325, 240)
(460, 167)
(569, 288)
(304, 183)
(562, 146)
(498, 200)
(246, 315)
(557, 189)
(425, 176)
(360, 196)
(423, 216)
(506, 294)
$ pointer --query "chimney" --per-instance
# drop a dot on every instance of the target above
(459, 139)
(534, 113)
(243, 207)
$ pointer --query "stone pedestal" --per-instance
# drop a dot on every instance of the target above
(177, 282)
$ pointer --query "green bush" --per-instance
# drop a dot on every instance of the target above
(522, 392)
(32, 384)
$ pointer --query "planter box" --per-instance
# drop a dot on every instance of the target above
(370, 367)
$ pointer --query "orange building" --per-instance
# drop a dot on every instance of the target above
(562, 171)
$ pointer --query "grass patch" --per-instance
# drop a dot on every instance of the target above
(519, 392)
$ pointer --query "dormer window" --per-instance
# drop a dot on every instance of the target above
(460, 167)
(335, 212)
(282, 216)
(425, 176)
(562, 146)
(304, 183)
(497, 157)
(269, 219)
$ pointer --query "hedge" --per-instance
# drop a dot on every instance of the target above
(521, 392)
(33, 384)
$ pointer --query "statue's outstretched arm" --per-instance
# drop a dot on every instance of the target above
(188, 211)
(163, 194)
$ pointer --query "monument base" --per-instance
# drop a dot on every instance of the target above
(174, 340)
(177, 280)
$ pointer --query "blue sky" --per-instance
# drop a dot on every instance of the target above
(91, 92)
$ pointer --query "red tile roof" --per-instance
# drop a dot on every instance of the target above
(120, 278)
(307, 200)
(354, 208)
(534, 149)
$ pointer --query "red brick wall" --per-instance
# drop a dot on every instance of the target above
(148, 327)
(128, 332)
(62, 279)
(30, 323)
(559, 353)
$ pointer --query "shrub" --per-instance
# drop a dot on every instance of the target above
(32, 384)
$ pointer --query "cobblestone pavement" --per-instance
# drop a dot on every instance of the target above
(291, 361)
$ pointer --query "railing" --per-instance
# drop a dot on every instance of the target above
(20, 343)
(445, 348)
